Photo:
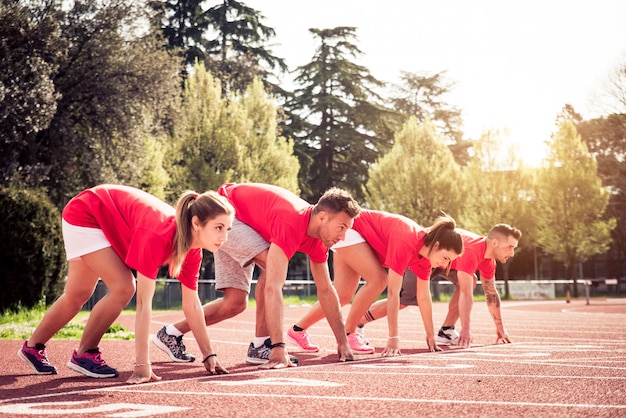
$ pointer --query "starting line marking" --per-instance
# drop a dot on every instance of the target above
(273, 381)
(79, 407)
(412, 366)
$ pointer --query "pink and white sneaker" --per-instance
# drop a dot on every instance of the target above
(302, 340)
(359, 345)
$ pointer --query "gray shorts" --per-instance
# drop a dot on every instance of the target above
(233, 261)
(408, 293)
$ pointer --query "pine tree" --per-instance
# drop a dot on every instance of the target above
(338, 140)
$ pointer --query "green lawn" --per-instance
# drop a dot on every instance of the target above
(20, 324)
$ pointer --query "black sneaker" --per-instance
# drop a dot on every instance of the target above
(36, 358)
(261, 355)
(173, 347)
(91, 364)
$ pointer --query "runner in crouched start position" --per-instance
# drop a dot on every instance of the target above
(379, 241)
(271, 225)
(480, 254)
(109, 230)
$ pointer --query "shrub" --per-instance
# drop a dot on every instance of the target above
(32, 256)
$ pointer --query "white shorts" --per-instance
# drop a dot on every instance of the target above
(80, 240)
(352, 238)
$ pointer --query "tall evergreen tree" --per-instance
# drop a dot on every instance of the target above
(418, 177)
(341, 121)
(183, 24)
(424, 97)
(229, 38)
(572, 201)
(239, 50)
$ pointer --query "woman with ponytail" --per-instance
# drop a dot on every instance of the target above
(376, 242)
(110, 230)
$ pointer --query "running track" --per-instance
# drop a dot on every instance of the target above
(566, 360)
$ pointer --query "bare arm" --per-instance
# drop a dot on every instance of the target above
(394, 285)
(466, 301)
(275, 275)
(425, 303)
(192, 308)
(329, 301)
(493, 304)
(143, 315)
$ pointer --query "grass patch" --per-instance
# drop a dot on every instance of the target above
(20, 324)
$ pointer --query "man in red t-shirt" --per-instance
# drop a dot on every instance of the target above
(271, 225)
(480, 254)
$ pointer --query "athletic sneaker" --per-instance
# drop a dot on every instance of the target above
(361, 332)
(91, 364)
(447, 336)
(36, 358)
(173, 346)
(261, 355)
(302, 340)
(358, 345)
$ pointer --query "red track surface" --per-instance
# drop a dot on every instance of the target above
(566, 360)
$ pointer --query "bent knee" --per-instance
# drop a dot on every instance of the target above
(123, 291)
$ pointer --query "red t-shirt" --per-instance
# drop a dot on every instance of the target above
(396, 240)
(278, 215)
(139, 226)
(473, 257)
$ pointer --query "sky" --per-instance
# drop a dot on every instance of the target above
(514, 64)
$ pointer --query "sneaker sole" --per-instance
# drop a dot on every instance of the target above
(369, 351)
(295, 342)
(32, 366)
(444, 342)
(167, 351)
(254, 360)
(86, 372)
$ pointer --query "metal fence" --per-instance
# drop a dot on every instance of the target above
(168, 291)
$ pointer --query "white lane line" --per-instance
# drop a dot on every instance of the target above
(392, 400)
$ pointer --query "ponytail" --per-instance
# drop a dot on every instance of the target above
(444, 232)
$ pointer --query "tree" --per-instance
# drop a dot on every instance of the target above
(418, 177)
(499, 190)
(183, 24)
(233, 139)
(239, 51)
(118, 85)
(204, 154)
(31, 49)
(269, 157)
(606, 139)
(229, 38)
(341, 122)
(423, 96)
(572, 201)
(114, 87)
(31, 250)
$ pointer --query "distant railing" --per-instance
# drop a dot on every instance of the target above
(168, 291)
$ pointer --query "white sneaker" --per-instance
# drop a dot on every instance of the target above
(447, 337)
